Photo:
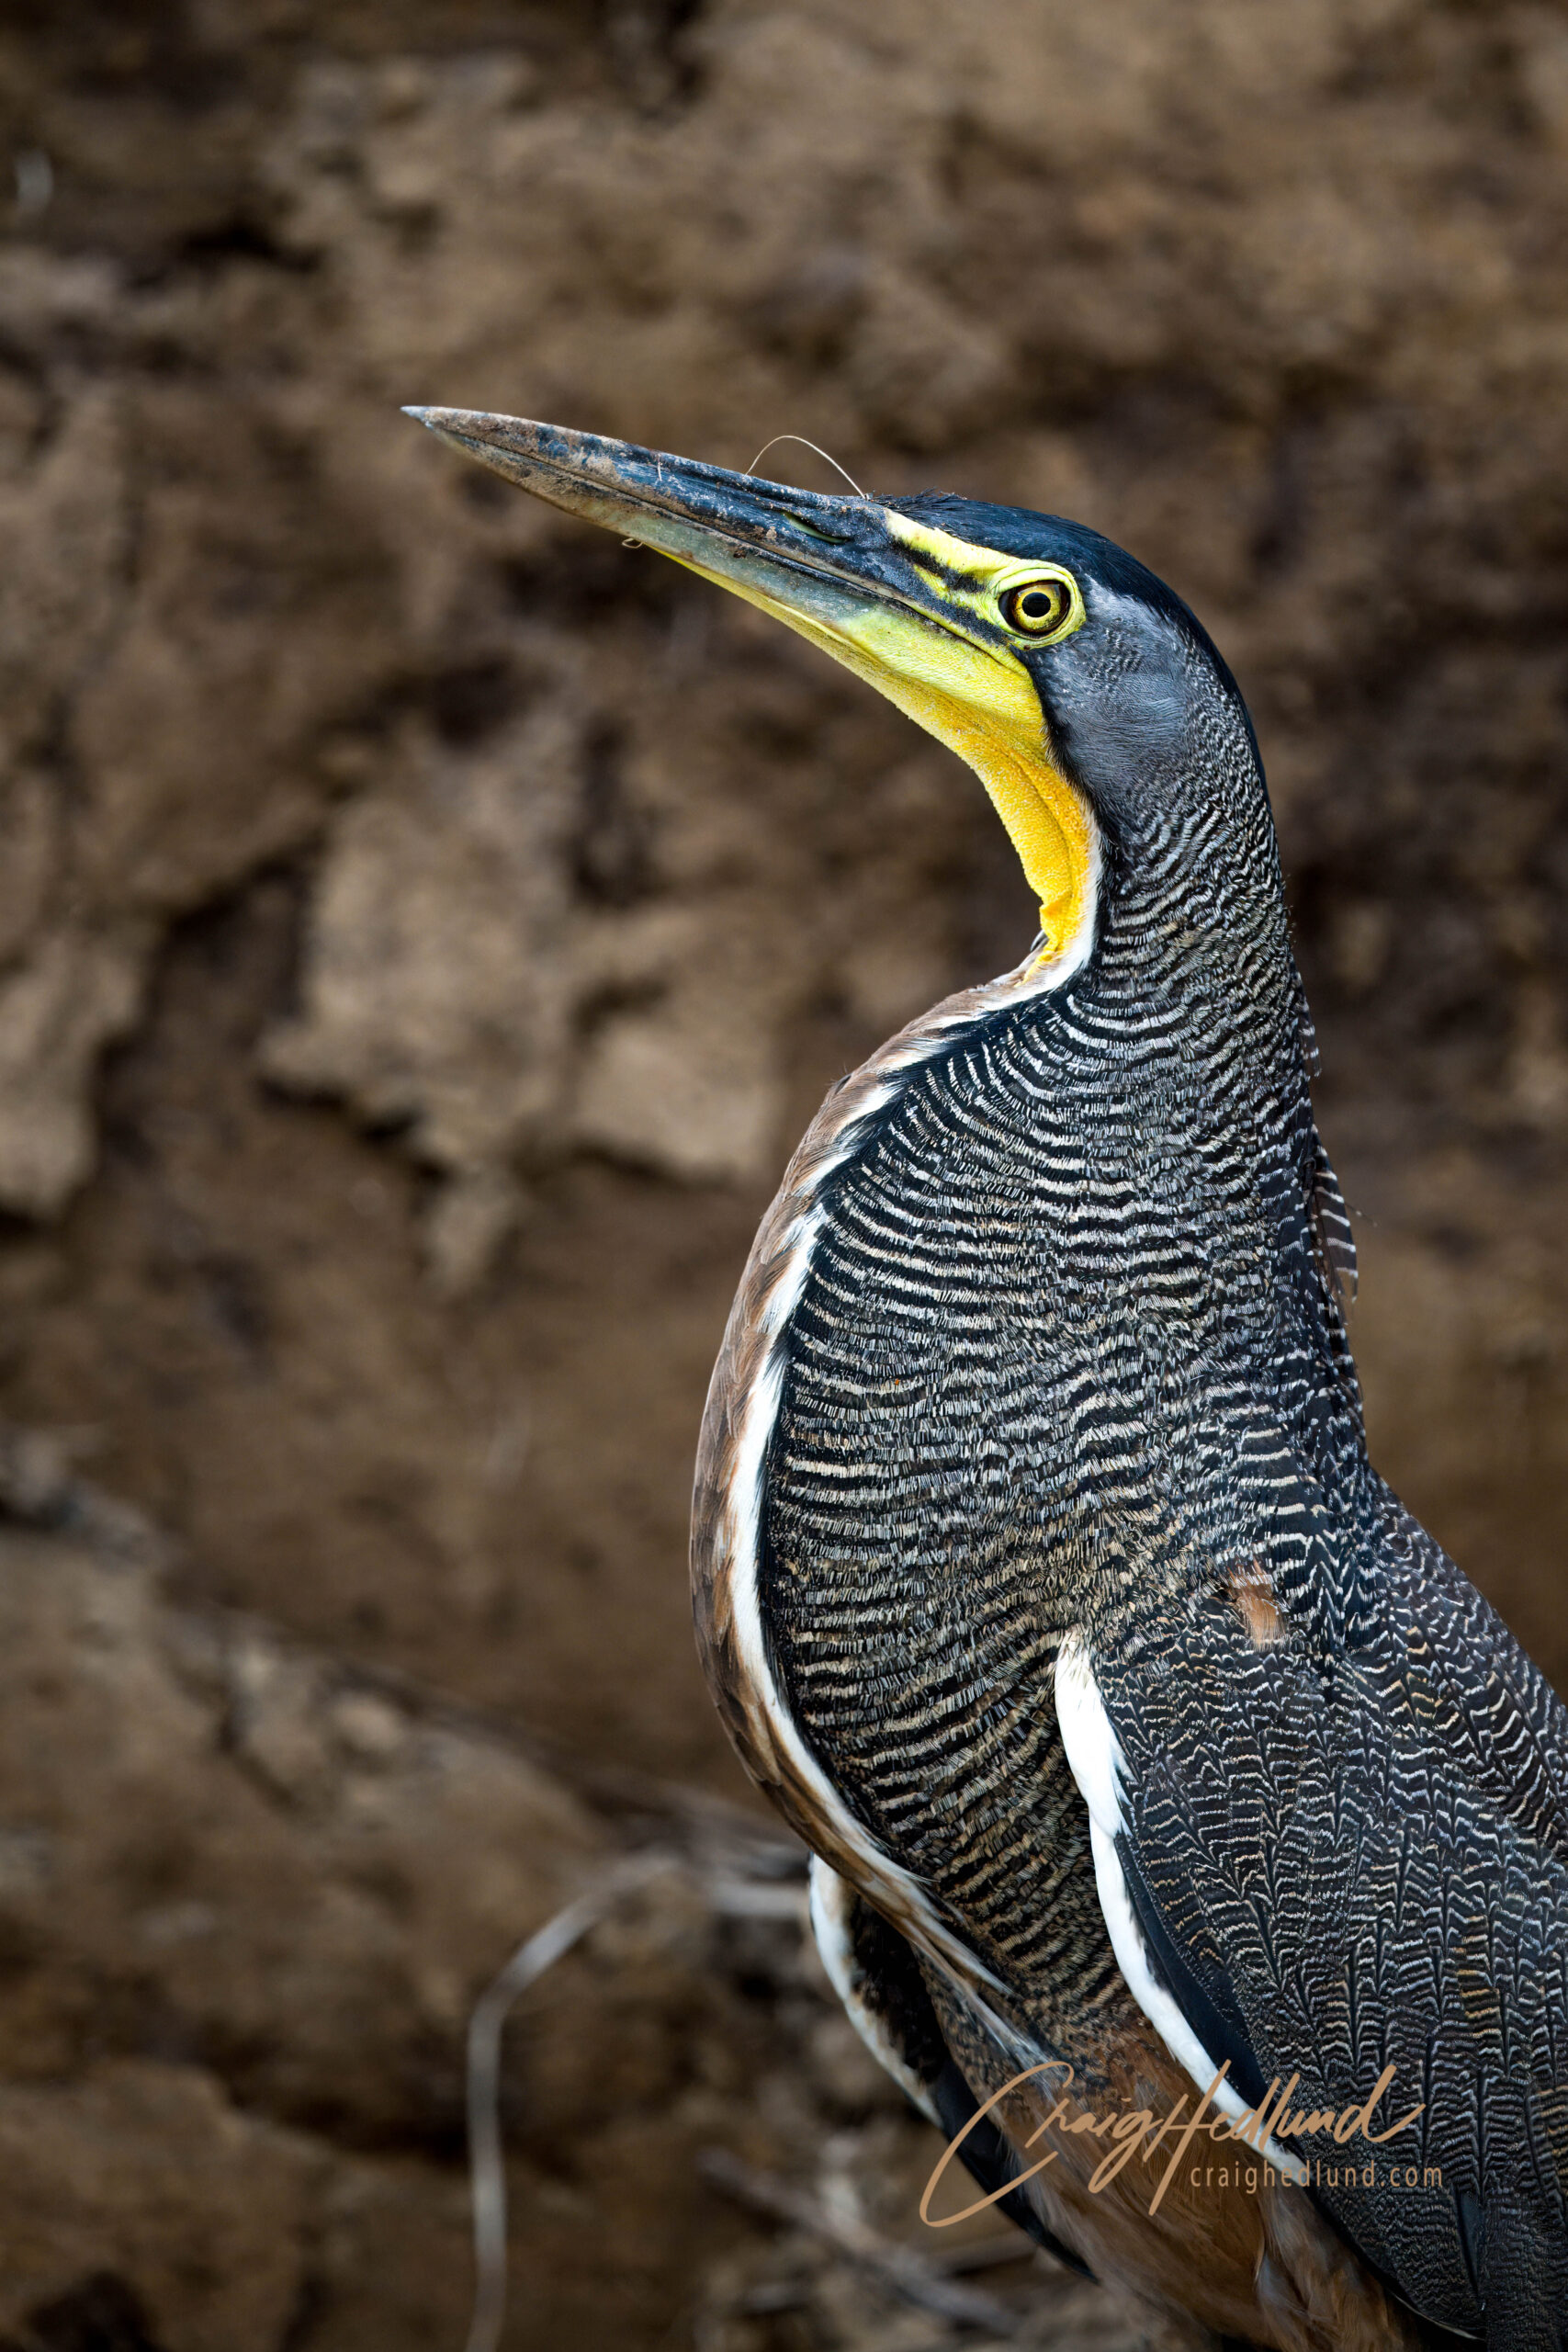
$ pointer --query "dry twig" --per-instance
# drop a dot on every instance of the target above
(739, 1875)
(486, 2169)
(908, 2274)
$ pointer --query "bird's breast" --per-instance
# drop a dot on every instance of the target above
(976, 1383)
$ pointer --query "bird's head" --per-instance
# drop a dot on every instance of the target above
(1089, 701)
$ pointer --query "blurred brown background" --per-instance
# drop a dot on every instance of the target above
(425, 925)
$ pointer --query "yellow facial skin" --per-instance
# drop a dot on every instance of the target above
(974, 696)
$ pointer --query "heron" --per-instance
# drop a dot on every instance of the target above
(1143, 1740)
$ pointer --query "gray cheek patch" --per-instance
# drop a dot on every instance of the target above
(1121, 695)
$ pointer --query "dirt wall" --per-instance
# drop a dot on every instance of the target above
(426, 924)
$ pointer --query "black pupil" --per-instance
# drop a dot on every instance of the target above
(1036, 605)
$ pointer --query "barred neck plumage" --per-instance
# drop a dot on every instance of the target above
(1071, 1284)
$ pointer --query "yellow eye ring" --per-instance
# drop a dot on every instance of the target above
(1046, 605)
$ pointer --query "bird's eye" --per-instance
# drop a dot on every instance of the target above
(1037, 606)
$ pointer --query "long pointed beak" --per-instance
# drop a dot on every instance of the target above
(814, 561)
(910, 609)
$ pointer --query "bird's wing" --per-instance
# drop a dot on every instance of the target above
(888, 2002)
(1321, 1859)
(1256, 2264)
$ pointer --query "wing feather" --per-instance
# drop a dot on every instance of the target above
(1351, 1857)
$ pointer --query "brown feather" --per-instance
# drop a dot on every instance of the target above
(1264, 2265)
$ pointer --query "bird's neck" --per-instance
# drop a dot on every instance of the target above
(1191, 997)
(1097, 1198)
(1023, 1344)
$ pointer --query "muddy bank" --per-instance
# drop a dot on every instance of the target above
(425, 925)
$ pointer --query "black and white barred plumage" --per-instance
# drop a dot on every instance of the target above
(1040, 1572)
(1067, 1358)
